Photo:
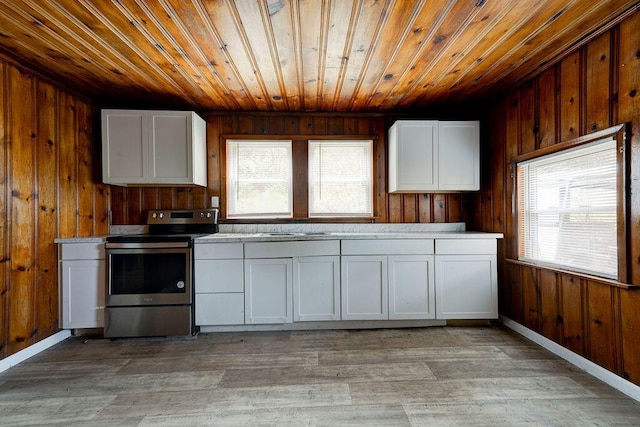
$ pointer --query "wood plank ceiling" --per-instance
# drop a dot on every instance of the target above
(296, 55)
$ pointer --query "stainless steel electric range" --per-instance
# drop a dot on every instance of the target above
(150, 276)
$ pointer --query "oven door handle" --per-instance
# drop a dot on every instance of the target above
(146, 245)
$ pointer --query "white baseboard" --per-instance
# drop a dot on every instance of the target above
(615, 381)
(32, 350)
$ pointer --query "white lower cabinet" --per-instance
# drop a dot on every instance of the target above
(364, 288)
(316, 288)
(466, 279)
(387, 279)
(219, 284)
(268, 295)
(411, 289)
(82, 285)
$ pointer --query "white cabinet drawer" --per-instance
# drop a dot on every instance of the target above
(466, 247)
(218, 250)
(298, 248)
(388, 247)
(213, 275)
(220, 309)
(82, 251)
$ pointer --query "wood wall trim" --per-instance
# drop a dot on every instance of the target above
(615, 132)
(600, 280)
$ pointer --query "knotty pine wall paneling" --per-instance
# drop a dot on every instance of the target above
(592, 88)
(129, 204)
(48, 161)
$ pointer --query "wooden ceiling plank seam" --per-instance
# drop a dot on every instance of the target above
(45, 42)
(310, 22)
(448, 42)
(43, 61)
(477, 37)
(297, 41)
(339, 26)
(256, 36)
(495, 65)
(175, 18)
(491, 49)
(377, 33)
(594, 29)
(249, 53)
(381, 61)
(322, 49)
(129, 15)
(68, 32)
(206, 19)
(88, 31)
(141, 54)
(348, 45)
(285, 34)
(416, 55)
(273, 51)
(132, 68)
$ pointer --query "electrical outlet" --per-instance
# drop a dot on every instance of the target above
(215, 201)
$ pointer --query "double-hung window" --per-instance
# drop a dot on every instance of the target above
(568, 207)
(259, 179)
(340, 178)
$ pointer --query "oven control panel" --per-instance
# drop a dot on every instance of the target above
(188, 216)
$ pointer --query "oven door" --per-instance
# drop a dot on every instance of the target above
(148, 276)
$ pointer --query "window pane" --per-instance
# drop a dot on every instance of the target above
(259, 179)
(340, 178)
(567, 209)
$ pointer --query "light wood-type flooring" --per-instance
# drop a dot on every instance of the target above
(444, 376)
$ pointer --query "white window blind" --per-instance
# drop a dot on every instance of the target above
(259, 175)
(340, 178)
(567, 209)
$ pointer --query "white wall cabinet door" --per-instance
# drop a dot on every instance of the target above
(316, 288)
(83, 293)
(466, 287)
(411, 287)
(459, 156)
(364, 288)
(413, 150)
(124, 146)
(268, 290)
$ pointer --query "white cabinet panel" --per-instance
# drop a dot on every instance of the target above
(219, 309)
(411, 287)
(213, 275)
(459, 156)
(412, 148)
(83, 293)
(268, 290)
(316, 288)
(218, 251)
(387, 247)
(466, 247)
(466, 287)
(364, 288)
(296, 248)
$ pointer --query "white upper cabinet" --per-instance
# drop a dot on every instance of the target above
(434, 156)
(141, 147)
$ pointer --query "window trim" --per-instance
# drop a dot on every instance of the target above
(619, 134)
